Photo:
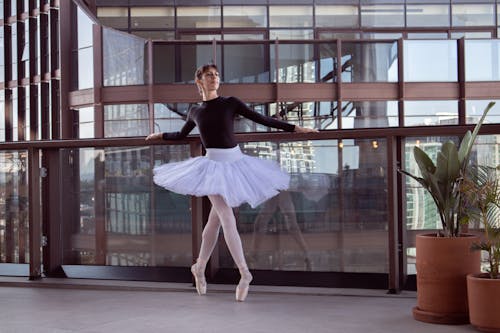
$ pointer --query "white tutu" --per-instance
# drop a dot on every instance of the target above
(237, 177)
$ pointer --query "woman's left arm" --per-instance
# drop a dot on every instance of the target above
(245, 111)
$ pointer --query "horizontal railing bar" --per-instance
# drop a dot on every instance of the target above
(365, 133)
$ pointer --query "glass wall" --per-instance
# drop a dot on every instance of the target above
(482, 60)
(369, 114)
(245, 63)
(245, 16)
(84, 52)
(296, 63)
(430, 61)
(430, 113)
(289, 20)
(369, 62)
(427, 15)
(170, 117)
(466, 15)
(14, 231)
(474, 110)
(86, 123)
(333, 200)
(124, 60)
(123, 218)
(126, 120)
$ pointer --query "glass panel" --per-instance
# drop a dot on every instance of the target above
(152, 17)
(245, 17)
(200, 37)
(328, 62)
(231, 36)
(199, 17)
(14, 209)
(427, 15)
(163, 63)
(369, 62)
(308, 114)
(27, 126)
(381, 35)
(243, 63)
(369, 114)
(14, 51)
(339, 35)
(474, 110)
(193, 56)
(332, 183)
(290, 16)
(126, 120)
(296, 61)
(430, 60)
(115, 17)
(170, 117)
(85, 123)
(467, 15)
(428, 35)
(155, 35)
(84, 29)
(320, 115)
(382, 15)
(124, 59)
(471, 34)
(337, 16)
(291, 34)
(142, 224)
(25, 53)
(430, 113)
(482, 60)
(85, 68)
(15, 113)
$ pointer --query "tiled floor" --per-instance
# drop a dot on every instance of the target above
(53, 305)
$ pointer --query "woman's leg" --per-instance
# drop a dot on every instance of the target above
(233, 241)
(208, 240)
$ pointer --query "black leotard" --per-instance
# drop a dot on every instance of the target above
(215, 120)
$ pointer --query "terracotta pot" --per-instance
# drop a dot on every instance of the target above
(484, 302)
(442, 267)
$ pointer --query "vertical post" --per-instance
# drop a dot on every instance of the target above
(461, 81)
(392, 209)
(401, 83)
(98, 81)
(35, 230)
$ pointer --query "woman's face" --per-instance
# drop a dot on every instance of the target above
(209, 80)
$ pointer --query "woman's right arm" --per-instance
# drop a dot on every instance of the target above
(185, 130)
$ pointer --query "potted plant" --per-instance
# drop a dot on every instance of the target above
(481, 192)
(444, 259)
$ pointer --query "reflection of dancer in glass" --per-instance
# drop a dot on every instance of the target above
(226, 175)
(284, 202)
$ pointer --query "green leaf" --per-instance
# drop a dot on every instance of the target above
(468, 145)
(424, 162)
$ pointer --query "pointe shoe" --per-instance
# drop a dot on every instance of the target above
(199, 279)
(243, 285)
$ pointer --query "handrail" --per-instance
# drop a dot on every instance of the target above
(357, 133)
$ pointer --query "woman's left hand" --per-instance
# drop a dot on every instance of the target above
(299, 129)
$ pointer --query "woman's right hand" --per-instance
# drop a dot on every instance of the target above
(154, 136)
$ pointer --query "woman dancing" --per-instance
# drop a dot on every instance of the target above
(226, 175)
